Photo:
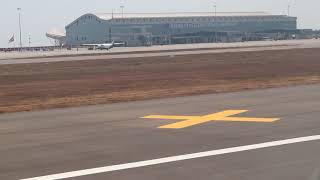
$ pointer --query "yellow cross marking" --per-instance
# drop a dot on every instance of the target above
(220, 116)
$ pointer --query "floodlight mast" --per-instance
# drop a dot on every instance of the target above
(289, 7)
(122, 9)
(20, 43)
(215, 19)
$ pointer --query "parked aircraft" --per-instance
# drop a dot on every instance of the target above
(105, 46)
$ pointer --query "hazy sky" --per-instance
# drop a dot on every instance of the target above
(39, 16)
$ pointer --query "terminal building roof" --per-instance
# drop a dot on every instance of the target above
(108, 16)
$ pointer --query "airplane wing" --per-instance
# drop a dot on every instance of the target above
(91, 44)
(118, 43)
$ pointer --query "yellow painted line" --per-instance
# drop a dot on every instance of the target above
(220, 116)
(187, 123)
(170, 117)
(247, 119)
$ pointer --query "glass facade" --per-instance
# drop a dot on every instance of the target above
(160, 30)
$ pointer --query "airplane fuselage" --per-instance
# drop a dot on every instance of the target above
(105, 47)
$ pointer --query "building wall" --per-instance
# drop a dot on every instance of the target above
(88, 29)
(145, 31)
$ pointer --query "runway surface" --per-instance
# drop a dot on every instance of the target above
(156, 51)
(73, 141)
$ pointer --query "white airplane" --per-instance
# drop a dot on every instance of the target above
(105, 46)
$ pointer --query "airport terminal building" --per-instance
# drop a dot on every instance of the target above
(172, 28)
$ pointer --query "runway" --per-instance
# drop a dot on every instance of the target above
(262, 134)
(157, 51)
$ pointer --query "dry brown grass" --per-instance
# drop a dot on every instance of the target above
(28, 87)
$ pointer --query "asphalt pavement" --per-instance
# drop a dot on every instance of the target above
(118, 142)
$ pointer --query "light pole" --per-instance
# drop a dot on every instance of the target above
(215, 19)
(289, 7)
(122, 3)
(215, 8)
(29, 42)
(122, 9)
(19, 10)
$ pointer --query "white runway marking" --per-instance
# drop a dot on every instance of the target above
(174, 159)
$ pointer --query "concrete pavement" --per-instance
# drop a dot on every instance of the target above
(156, 51)
(64, 140)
